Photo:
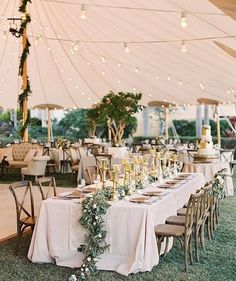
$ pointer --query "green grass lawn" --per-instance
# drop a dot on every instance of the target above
(218, 263)
(62, 180)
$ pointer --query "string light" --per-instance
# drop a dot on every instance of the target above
(202, 86)
(137, 70)
(119, 64)
(168, 78)
(74, 47)
(103, 59)
(180, 83)
(183, 20)
(127, 50)
(184, 47)
(83, 12)
(157, 77)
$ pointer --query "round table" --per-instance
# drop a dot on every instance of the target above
(209, 170)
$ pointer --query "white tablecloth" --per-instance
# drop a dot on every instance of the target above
(131, 231)
(209, 170)
(60, 158)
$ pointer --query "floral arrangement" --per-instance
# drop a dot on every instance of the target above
(218, 183)
(63, 143)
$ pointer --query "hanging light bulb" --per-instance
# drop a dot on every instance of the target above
(103, 59)
(184, 47)
(183, 20)
(180, 83)
(137, 70)
(76, 45)
(127, 50)
(83, 12)
(202, 86)
(168, 78)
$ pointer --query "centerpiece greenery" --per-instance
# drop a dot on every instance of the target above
(94, 207)
(116, 112)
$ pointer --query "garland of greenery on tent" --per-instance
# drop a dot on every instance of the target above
(25, 52)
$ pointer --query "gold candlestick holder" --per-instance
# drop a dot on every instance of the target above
(103, 166)
(114, 175)
(152, 171)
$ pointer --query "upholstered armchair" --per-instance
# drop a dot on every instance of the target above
(36, 167)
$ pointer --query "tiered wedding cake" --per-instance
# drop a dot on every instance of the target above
(206, 149)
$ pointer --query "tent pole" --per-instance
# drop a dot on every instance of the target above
(166, 123)
(24, 85)
(218, 126)
(49, 126)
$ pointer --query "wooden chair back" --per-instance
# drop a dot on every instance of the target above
(74, 154)
(22, 193)
(194, 211)
(92, 172)
(47, 187)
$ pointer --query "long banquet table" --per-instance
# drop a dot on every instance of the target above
(130, 229)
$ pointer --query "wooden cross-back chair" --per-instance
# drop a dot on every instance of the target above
(198, 220)
(22, 191)
(75, 160)
(47, 187)
(108, 157)
(92, 173)
(183, 232)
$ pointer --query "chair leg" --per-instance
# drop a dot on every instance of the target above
(159, 241)
(197, 229)
(166, 246)
(186, 242)
(202, 236)
(190, 250)
(19, 235)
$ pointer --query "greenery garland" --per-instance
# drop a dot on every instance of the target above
(27, 91)
(218, 183)
(94, 207)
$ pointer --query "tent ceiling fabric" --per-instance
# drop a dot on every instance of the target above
(74, 61)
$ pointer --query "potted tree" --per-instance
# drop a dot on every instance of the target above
(116, 112)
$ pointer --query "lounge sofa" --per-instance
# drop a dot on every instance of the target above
(19, 155)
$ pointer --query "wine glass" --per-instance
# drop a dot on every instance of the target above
(81, 186)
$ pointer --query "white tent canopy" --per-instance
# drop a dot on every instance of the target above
(75, 61)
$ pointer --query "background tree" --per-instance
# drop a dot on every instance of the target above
(116, 112)
(73, 126)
